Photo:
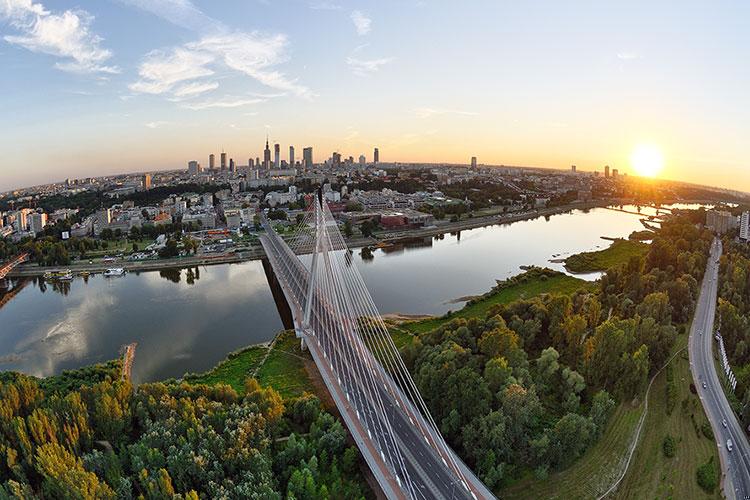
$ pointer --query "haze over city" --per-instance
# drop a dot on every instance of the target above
(93, 88)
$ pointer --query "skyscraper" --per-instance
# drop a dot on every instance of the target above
(231, 165)
(606, 171)
(291, 156)
(336, 159)
(211, 162)
(267, 156)
(376, 156)
(362, 161)
(276, 155)
(307, 158)
(146, 181)
(223, 160)
(194, 167)
(474, 162)
(257, 162)
(573, 169)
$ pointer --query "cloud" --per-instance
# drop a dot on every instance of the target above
(225, 102)
(627, 56)
(325, 6)
(218, 49)
(361, 22)
(67, 35)
(195, 89)
(156, 124)
(161, 71)
(366, 67)
(178, 12)
(429, 112)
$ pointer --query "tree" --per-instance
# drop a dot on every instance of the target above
(367, 228)
(348, 231)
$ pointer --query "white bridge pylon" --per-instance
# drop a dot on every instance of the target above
(336, 318)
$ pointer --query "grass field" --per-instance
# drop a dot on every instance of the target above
(529, 287)
(651, 474)
(594, 472)
(281, 367)
(233, 370)
(284, 368)
(618, 252)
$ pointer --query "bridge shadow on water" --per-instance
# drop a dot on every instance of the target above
(282, 306)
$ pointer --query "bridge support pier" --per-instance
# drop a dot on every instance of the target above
(4, 284)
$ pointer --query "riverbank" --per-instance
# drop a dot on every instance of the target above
(529, 284)
(619, 251)
(255, 253)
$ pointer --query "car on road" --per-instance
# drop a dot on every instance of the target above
(724, 422)
(704, 385)
(729, 445)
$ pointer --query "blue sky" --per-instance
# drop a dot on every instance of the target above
(96, 87)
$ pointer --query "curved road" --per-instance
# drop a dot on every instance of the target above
(735, 464)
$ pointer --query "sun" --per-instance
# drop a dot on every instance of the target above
(647, 160)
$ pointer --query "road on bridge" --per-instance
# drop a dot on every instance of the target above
(735, 464)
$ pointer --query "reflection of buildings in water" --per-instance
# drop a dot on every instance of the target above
(407, 244)
(61, 287)
(14, 287)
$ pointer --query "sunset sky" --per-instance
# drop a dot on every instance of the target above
(94, 87)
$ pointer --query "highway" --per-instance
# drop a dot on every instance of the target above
(343, 373)
(735, 464)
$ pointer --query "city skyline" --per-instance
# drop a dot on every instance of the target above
(510, 84)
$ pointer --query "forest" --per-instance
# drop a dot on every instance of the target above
(167, 441)
(732, 317)
(529, 387)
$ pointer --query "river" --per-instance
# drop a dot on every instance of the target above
(188, 320)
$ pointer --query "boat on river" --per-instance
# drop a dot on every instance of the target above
(65, 275)
(115, 271)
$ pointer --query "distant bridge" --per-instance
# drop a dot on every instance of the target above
(336, 318)
(8, 266)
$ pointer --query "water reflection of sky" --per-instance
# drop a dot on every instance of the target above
(183, 327)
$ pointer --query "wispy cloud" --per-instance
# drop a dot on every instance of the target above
(225, 102)
(156, 124)
(325, 6)
(362, 23)
(627, 56)
(178, 12)
(366, 67)
(217, 50)
(429, 112)
(161, 71)
(66, 35)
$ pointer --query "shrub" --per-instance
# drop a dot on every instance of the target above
(668, 446)
(708, 476)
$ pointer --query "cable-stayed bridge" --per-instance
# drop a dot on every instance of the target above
(338, 322)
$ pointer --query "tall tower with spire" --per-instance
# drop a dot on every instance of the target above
(267, 156)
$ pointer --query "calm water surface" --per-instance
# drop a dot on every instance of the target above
(189, 320)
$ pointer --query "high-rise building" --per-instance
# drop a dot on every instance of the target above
(194, 167)
(257, 162)
(745, 226)
(720, 221)
(211, 162)
(37, 222)
(291, 156)
(267, 156)
(232, 168)
(474, 162)
(362, 160)
(615, 172)
(376, 156)
(276, 156)
(223, 160)
(573, 169)
(606, 171)
(336, 159)
(146, 181)
(307, 158)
